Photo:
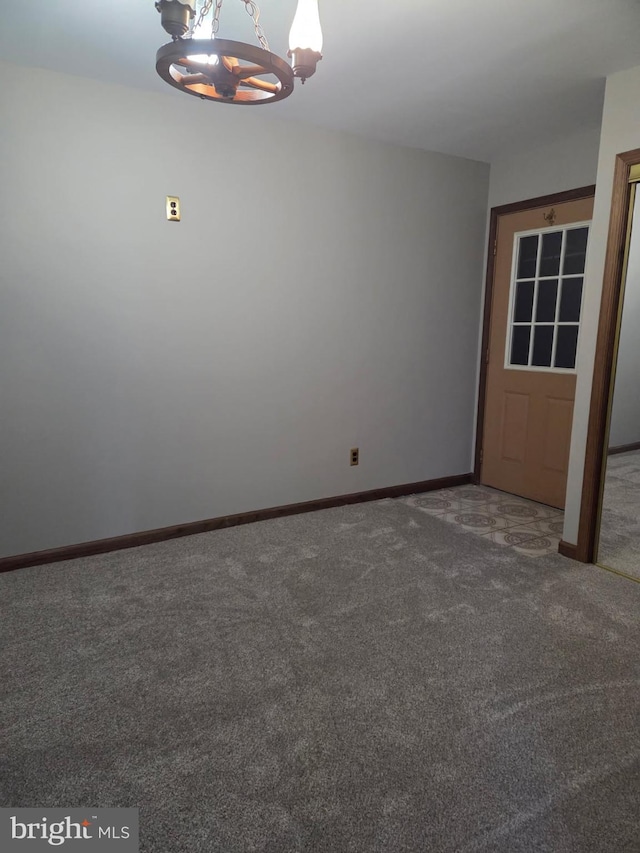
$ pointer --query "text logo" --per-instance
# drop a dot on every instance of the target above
(85, 830)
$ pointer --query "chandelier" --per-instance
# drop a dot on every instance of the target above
(200, 63)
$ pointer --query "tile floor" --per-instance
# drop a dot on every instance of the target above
(530, 528)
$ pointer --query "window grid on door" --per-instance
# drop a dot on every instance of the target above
(546, 298)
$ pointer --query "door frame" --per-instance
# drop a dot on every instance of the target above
(601, 388)
(496, 212)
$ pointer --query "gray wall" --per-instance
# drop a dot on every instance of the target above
(625, 413)
(321, 292)
(563, 164)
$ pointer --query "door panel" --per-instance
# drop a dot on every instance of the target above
(530, 384)
(515, 420)
(557, 436)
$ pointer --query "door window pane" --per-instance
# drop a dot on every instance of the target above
(550, 255)
(527, 256)
(547, 298)
(570, 300)
(524, 302)
(566, 346)
(542, 346)
(575, 251)
(520, 344)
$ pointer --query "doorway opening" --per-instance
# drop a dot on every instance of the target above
(611, 452)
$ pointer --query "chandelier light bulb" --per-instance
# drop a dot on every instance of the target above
(203, 31)
(306, 33)
(305, 39)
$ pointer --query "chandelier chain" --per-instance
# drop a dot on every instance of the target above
(204, 11)
(254, 12)
(215, 24)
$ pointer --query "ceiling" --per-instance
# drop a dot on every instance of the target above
(476, 78)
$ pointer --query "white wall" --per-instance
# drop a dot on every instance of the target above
(620, 132)
(625, 412)
(321, 292)
(564, 164)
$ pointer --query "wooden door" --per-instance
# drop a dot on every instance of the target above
(531, 376)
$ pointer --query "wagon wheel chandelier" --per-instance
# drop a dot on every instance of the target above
(234, 72)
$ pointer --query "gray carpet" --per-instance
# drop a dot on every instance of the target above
(367, 678)
(619, 546)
